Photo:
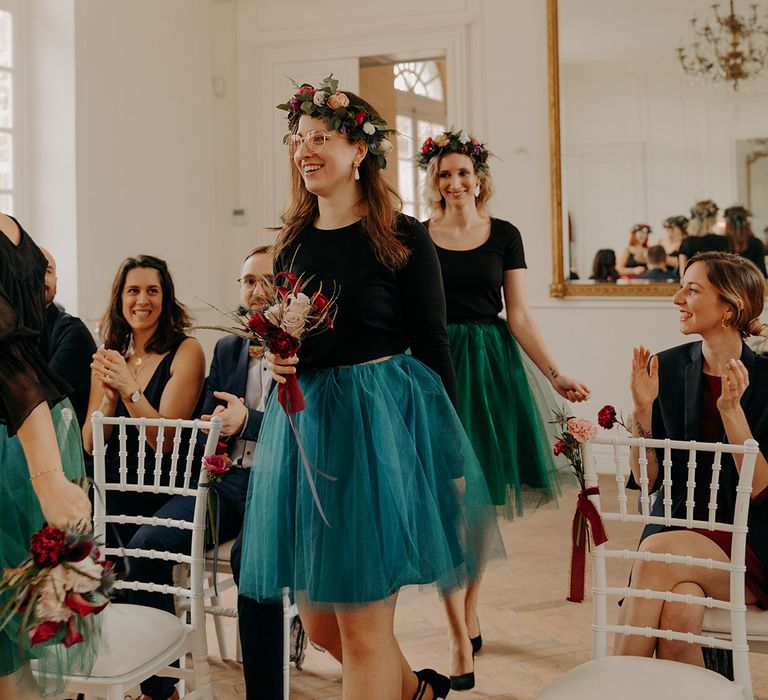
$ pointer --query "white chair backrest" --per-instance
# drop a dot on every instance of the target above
(621, 513)
(171, 474)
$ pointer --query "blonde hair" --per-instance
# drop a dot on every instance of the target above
(740, 285)
(435, 200)
(703, 218)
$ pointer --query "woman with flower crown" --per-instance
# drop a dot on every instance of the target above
(40, 450)
(503, 404)
(402, 495)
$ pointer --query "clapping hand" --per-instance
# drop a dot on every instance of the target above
(735, 380)
(111, 370)
(644, 381)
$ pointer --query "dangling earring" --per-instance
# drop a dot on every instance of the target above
(724, 324)
(357, 171)
(477, 190)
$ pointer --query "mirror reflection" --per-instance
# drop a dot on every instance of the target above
(655, 167)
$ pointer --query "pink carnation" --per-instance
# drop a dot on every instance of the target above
(582, 429)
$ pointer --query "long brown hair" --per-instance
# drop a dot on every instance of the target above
(174, 317)
(378, 208)
(740, 285)
(737, 227)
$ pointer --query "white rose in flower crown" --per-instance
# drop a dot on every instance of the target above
(50, 603)
(83, 576)
(369, 128)
(320, 97)
(338, 99)
(441, 140)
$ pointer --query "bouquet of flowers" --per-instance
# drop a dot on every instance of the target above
(574, 432)
(57, 588)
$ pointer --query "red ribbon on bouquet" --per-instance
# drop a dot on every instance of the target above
(586, 519)
(290, 396)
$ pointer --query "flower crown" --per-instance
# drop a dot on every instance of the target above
(454, 142)
(704, 210)
(350, 119)
(738, 214)
(679, 221)
(641, 227)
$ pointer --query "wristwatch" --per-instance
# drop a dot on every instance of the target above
(136, 396)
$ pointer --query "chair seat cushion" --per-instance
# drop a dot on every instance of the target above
(719, 621)
(133, 635)
(640, 678)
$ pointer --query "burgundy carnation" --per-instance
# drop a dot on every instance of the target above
(306, 88)
(295, 105)
(427, 145)
(560, 447)
(281, 343)
(606, 417)
(360, 118)
(48, 547)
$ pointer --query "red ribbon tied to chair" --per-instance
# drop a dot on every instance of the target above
(586, 519)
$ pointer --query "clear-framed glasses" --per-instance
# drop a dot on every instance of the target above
(314, 142)
(249, 281)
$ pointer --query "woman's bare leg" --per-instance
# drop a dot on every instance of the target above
(471, 601)
(461, 647)
(665, 577)
(19, 686)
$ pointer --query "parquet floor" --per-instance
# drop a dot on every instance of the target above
(531, 633)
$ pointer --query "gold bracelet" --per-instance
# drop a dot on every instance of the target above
(32, 477)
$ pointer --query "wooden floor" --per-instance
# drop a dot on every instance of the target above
(531, 633)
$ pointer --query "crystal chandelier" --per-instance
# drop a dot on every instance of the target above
(727, 48)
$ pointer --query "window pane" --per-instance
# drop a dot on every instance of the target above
(409, 208)
(5, 99)
(6, 161)
(405, 179)
(6, 36)
(6, 203)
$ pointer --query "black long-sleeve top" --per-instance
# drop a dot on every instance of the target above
(25, 379)
(380, 312)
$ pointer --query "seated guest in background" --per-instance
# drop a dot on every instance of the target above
(674, 233)
(738, 229)
(632, 261)
(604, 266)
(657, 266)
(147, 367)
(236, 390)
(71, 345)
(702, 236)
(711, 390)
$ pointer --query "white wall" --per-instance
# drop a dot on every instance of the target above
(161, 161)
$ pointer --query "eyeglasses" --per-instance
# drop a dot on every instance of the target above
(314, 142)
(249, 282)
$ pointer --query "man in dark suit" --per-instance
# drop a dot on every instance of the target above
(71, 345)
(236, 390)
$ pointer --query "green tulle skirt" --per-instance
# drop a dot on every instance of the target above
(20, 516)
(506, 406)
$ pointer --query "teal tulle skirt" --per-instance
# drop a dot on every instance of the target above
(20, 516)
(506, 406)
(406, 501)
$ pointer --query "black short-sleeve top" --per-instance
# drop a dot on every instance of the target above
(25, 379)
(473, 279)
(380, 312)
(690, 245)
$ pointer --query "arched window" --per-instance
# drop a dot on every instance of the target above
(421, 112)
(8, 134)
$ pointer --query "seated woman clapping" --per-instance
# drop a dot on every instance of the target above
(711, 390)
(147, 367)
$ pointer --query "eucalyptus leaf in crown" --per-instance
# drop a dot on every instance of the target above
(347, 116)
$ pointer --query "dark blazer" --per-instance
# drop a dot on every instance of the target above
(72, 347)
(229, 372)
(676, 416)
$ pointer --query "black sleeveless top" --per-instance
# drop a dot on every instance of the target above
(25, 379)
(153, 393)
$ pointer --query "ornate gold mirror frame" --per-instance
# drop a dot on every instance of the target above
(560, 287)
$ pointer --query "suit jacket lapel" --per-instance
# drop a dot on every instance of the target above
(748, 358)
(692, 393)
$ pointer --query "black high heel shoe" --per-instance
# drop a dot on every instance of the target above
(477, 642)
(466, 681)
(440, 684)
